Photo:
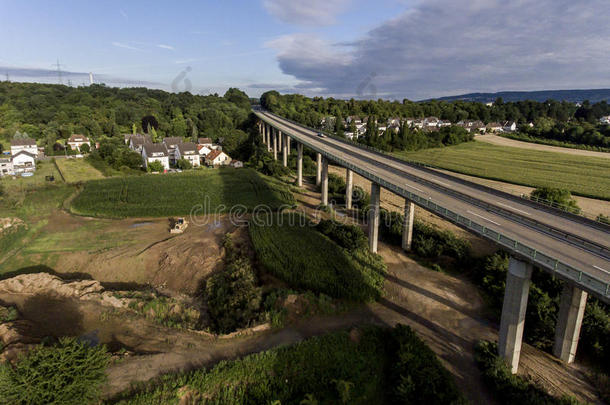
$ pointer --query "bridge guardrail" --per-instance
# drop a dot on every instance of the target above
(539, 202)
(586, 281)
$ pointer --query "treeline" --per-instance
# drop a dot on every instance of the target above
(311, 110)
(48, 112)
(576, 132)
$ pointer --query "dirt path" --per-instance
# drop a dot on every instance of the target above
(501, 141)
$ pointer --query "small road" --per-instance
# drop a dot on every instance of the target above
(501, 141)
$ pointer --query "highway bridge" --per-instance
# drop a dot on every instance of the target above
(573, 248)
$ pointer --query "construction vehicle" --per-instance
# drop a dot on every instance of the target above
(179, 225)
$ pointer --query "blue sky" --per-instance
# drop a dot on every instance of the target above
(346, 48)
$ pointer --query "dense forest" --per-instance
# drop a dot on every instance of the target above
(50, 113)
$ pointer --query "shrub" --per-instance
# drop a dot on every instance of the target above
(350, 237)
(155, 166)
(184, 164)
(555, 197)
(234, 300)
(69, 373)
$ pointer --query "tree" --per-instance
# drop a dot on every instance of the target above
(184, 164)
(150, 121)
(155, 166)
(85, 148)
(134, 129)
(238, 97)
(555, 197)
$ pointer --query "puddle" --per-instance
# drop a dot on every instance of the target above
(139, 224)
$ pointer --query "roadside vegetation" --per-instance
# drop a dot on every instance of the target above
(556, 198)
(290, 248)
(585, 176)
(368, 366)
(180, 194)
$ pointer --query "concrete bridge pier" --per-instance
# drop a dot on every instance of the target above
(267, 137)
(275, 142)
(513, 311)
(407, 226)
(281, 141)
(349, 186)
(288, 143)
(374, 217)
(569, 321)
(324, 182)
(318, 168)
(284, 149)
(299, 165)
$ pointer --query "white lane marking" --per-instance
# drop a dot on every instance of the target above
(599, 268)
(415, 188)
(441, 183)
(513, 208)
(482, 217)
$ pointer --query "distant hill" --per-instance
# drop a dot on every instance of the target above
(574, 96)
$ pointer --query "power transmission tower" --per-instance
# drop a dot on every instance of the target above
(58, 66)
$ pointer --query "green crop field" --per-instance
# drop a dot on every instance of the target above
(75, 170)
(294, 251)
(199, 192)
(585, 176)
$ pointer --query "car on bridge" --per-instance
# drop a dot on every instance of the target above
(321, 135)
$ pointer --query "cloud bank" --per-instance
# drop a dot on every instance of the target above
(311, 12)
(442, 47)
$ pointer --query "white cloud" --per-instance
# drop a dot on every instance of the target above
(163, 46)
(125, 46)
(441, 47)
(311, 12)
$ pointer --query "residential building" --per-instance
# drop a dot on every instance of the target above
(207, 142)
(236, 164)
(188, 151)
(155, 152)
(23, 162)
(494, 127)
(137, 142)
(172, 142)
(217, 158)
(27, 145)
(509, 126)
(6, 166)
(76, 141)
(605, 120)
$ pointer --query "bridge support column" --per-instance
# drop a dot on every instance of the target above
(266, 136)
(349, 186)
(318, 168)
(299, 165)
(374, 217)
(281, 141)
(275, 142)
(263, 129)
(407, 225)
(288, 144)
(324, 182)
(269, 138)
(569, 320)
(284, 149)
(513, 311)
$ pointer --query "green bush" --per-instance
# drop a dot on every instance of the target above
(184, 164)
(555, 197)
(509, 388)
(233, 298)
(350, 237)
(155, 166)
(379, 366)
(71, 372)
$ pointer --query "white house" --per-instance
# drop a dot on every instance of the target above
(494, 127)
(76, 141)
(155, 152)
(188, 151)
(172, 142)
(217, 158)
(605, 120)
(24, 161)
(26, 145)
(236, 164)
(6, 167)
(509, 126)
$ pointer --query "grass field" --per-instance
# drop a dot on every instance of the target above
(75, 170)
(297, 253)
(585, 176)
(200, 192)
(381, 366)
(43, 168)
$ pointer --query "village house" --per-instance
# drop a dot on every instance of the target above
(188, 151)
(217, 158)
(207, 142)
(494, 127)
(605, 120)
(155, 152)
(23, 162)
(237, 164)
(6, 166)
(137, 142)
(353, 118)
(203, 152)
(509, 126)
(172, 142)
(76, 141)
(26, 145)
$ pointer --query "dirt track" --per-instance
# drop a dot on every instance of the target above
(500, 140)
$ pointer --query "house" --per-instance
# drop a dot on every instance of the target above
(23, 162)
(76, 141)
(188, 151)
(349, 135)
(137, 142)
(171, 143)
(236, 164)
(6, 167)
(444, 123)
(509, 126)
(217, 158)
(203, 152)
(494, 127)
(353, 118)
(27, 145)
(155, 152)
(605, 120)
(207, 142)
